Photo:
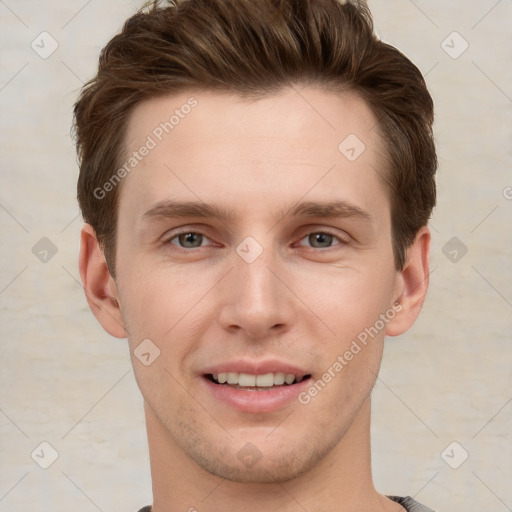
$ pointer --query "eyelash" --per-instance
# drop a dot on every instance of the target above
(168, 241)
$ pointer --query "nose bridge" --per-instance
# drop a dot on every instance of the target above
(255, 301)
(256, 282)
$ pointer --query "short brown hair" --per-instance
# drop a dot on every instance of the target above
(253, 48)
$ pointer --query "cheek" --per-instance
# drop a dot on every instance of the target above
(352, 306)
(349, 302)
(166, 306)
(154, 299)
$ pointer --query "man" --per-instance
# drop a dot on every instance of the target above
(256, 180)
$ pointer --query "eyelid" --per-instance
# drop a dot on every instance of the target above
(170, 236)
(173, 234)
(342, 240)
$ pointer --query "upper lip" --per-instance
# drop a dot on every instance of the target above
(255, 367)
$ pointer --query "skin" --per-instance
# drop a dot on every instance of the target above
(301, 301)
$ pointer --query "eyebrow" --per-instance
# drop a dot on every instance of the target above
(330, 209)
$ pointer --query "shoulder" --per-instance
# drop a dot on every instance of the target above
(410, 504)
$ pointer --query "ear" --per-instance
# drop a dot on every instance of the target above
(412, 284)
(99, 286)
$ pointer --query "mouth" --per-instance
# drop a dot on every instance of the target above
(260, 382)
(255, 386)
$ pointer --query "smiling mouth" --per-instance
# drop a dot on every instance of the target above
(250, 382)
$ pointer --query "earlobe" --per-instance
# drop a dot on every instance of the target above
(413, 284)
(99, 286)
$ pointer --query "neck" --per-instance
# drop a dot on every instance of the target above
(341, 481)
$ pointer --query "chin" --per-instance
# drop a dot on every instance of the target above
(278, 470)
(273, 464)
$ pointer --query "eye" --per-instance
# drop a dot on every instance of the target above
(194, 240)
(322, 239)
(188, 240)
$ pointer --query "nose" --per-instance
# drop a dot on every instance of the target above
(256, 300)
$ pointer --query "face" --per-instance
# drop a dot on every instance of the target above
(254, 245)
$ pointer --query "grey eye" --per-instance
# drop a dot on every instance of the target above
(190, 240)
(320, 240)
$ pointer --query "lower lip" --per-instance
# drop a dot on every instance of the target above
(269, 400)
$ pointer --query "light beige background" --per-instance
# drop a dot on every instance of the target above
(66, 382)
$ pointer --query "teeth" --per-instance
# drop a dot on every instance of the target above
(279, 378)
(246, 379)
(263, 381)
(266, 380)
(290, 377)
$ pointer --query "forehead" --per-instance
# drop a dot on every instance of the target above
(209, 145)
